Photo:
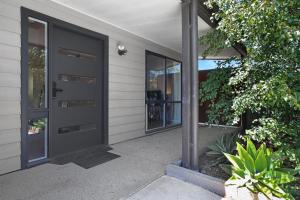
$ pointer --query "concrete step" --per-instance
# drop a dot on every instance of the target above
(169, 188)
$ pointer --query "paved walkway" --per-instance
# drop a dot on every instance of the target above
(168, 188)
(142, 161)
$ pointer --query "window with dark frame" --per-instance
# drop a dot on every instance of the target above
(163, 92)
(37, 92)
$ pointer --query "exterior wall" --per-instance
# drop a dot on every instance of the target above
(126, 75)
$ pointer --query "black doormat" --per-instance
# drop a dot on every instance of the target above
(87, 158)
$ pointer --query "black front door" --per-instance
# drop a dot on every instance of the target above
(76, 91)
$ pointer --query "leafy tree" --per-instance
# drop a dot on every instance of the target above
(267, 80)
(219, 94)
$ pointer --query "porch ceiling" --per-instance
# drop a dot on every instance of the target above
(155, 20)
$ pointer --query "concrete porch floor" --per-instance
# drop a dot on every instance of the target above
(142, 161)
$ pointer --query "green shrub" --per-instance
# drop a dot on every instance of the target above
(224, 144)
(259, 171)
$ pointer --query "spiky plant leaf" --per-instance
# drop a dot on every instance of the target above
(261, 162)
(235, 161)
(251, 149)
(248, 161)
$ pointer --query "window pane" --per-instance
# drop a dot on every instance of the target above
(155, 77)
(76, 128)
(76, 103)
(173, 114)
(77, 54)
(173, 76)
(37, 61)
(37, 131)
(155, 115)
(75, 78)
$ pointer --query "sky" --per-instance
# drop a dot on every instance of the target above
(206, 64)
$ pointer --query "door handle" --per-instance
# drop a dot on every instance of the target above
(55, 89)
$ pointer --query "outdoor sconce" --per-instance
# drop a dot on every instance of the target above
(121, 49)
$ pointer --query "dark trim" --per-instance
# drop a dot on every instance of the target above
(162, 56)
(165, 128)
(25, 13)
(24, 91)
(105, 101)
(206, 14)
(27, 113)
(54, 21)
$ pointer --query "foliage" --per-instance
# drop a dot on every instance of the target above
(36, 63)
(214, 47)
(267, 81)
(41, 124)
(219, 95)
(258, 171)
(224, 144)
(279, 135)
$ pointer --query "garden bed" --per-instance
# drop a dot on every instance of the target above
(206, 165)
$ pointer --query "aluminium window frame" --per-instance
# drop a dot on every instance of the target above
(164, 127)
(27, 112)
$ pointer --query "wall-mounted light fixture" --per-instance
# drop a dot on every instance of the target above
(121, 49)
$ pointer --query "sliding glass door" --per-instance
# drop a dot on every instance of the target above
(163, 92)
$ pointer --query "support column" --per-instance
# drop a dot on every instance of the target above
(190, 84)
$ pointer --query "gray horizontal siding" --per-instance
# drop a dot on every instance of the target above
(10, 11)
(10, 80)
(9, 66)
(126, 75)
(116, 121)
(9, 122)
(119, 112)
(118, 103)
(9, 150)
(119, 86)
(9, 38)
(131, 126)
(10, 52)
(9, 164)
(120, 70)
(10, 108)
(10, 25)
(9, 136)
(10, 94)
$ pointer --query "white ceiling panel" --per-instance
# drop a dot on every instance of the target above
(155, 20)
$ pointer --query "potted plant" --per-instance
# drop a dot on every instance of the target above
(256, 174)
